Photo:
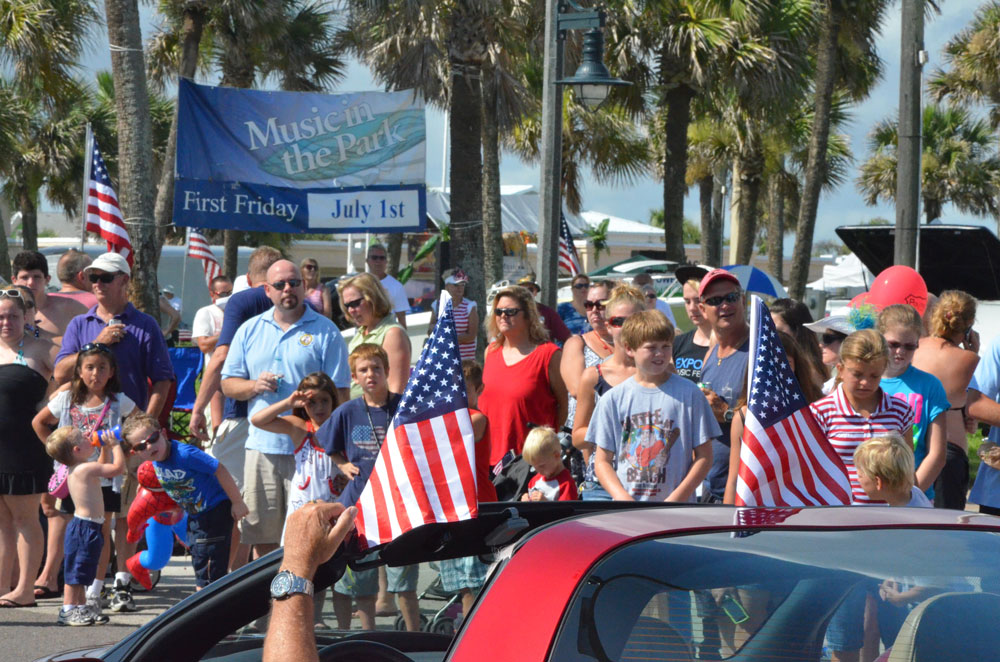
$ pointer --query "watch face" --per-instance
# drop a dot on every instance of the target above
(281, 583)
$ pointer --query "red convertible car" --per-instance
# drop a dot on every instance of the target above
(587, 581)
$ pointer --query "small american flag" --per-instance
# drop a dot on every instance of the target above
(424, 471)
(760, 518)
(199, 249)
(568, 259)
(104, 216)
(785, 460)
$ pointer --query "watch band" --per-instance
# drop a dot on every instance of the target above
(286, 584)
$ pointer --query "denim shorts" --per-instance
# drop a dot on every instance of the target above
(83, 544)
(365, 582)
(209, 536)
(846, 631)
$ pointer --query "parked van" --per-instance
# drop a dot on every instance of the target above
(185, 274)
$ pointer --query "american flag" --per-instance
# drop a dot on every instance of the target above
(568, 259)
(752, 520)
(199, 249)
(424, 471)
(104, 216)
(785, 460)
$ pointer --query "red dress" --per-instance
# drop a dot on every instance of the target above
(515, 395)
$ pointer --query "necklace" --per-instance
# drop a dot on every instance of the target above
(718, 352)
(607, 348)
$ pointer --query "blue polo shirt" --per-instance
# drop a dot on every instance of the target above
(311, 344)
(240, 307)
(141, 354)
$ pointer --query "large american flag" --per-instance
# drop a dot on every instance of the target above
(568, 259)
(785, 460)
(199, 249)
(104, 216)
(424, 471)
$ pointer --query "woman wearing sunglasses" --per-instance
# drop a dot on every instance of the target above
(522, 384)
(316, 293)
(589, 348)
(366, 303)
(26, 365)
(830, 332)
(574, 313)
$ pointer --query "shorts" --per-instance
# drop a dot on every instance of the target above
(267, 482)
(952, 484)
(229, 446)
(83, 544)
(24, 484)
(468, 572)
(361, 583)
(593, 491)
(846, 631)
(209, 536)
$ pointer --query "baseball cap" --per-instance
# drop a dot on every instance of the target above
(110, 262)
(715, 276)
(455, 276)
(167, 289)
(836, 323)
(686, 272)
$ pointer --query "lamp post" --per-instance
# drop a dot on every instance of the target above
(591, 83)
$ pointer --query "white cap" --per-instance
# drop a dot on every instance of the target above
(836, 323)
(110, 262)
(167, 289)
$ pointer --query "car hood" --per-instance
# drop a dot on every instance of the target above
(77, 655)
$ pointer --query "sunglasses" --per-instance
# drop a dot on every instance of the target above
(507, 312)
(581, 286)
(96, 347)
(12, 293)
(617, 321)
(280, 285)
(351, 305)
(101, 278)
(831, 337)
(715, 302)
(593, 304)
(650, 295)
(376, 258)
(908, 346)
(147, 442)
(227, 293)
(310, 267)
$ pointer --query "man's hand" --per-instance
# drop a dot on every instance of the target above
(313, 533)
(239, 510)
(266, 382)
(111, 334)
(971, 341)
(198, 425)
(718, 405)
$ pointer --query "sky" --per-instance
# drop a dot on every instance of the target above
(843, 206)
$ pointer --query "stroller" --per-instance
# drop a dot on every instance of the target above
(512, 473)
(442, 621)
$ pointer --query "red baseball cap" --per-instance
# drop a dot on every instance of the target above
(715, 276)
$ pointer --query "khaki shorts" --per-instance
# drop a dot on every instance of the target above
(229, 446)
(130, 487)
(267, 480)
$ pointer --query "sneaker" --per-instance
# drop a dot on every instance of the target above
(94, 605)
(79, 615)
(121, 598)
(105, 598)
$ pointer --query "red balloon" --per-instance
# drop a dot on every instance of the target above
(899, 284)
(859, 300)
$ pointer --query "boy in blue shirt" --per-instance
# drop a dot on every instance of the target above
(199, 485)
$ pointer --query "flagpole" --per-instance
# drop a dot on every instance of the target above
(184, 269)
(88, 159)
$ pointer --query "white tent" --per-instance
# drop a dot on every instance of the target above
(518, 209)
(847, 272)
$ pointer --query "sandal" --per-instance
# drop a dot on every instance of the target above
(45, 593)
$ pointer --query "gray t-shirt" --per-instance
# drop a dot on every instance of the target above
(652, 432)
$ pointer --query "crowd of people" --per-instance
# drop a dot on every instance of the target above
(294, 413)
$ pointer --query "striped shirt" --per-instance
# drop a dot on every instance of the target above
(845, 429)
(461, 313)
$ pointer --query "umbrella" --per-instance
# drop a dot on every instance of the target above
(757, 280)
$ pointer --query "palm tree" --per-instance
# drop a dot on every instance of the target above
(959, 163)
(845, 55)
(973, 56)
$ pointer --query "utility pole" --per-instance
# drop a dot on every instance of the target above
(912, 58)
(550, 195)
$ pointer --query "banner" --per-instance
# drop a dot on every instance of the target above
(299, 161)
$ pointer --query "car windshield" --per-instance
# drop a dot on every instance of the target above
(790, 595)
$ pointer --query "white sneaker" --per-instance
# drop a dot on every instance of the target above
(121, 598)
(77, 616)
(94, 606)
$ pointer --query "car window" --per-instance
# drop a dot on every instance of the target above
(773, 595)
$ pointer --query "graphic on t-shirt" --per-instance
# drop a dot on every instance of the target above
(181, 489)
(646, 444)
(364, 440)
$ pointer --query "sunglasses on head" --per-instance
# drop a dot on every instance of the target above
(831, 337)
(617, 321)
(908, 346)
(147, 442)
(714, 302)
(351, 305)
(96, 347)
(102, 278)
(13, 293)
(280, 285)
(507, 312)
(593, 305)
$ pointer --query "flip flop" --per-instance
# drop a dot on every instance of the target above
(10, 604)
(45, 593)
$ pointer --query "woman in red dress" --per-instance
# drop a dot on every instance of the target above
(521, 373)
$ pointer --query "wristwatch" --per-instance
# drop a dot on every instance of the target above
(727, 417)
(285, 584)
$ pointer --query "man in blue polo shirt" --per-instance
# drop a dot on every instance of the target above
(268, 357)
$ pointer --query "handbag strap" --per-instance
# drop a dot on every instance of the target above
(104, 412)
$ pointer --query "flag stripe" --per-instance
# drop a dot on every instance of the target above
(104, 216)
(437, 474)
(416, 477)
(410, 495)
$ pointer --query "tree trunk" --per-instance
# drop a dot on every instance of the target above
(776, 229)
(735, 213)
(705, 187)
(4, 250)
(678, 117)
(492, 222)
(933, 209)
(194, 20)
(29, 220)
(751, 171)
(135, 149)
(393, 249)
(816, 162)
(713, 246)
(238, 70)
(230, 252)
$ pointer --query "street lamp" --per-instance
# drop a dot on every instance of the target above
(591, 84)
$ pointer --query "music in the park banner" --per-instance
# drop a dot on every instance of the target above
(299, 161)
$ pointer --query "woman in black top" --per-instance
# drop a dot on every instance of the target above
(691, 347)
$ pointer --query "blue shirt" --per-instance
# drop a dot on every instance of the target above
(188, 477)
(141, 354)
(240, 307)
(573, 320)
(986, 380)
(727, 379)
(311, 344)
(926, 396)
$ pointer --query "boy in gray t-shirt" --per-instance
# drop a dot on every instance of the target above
(652, 431)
